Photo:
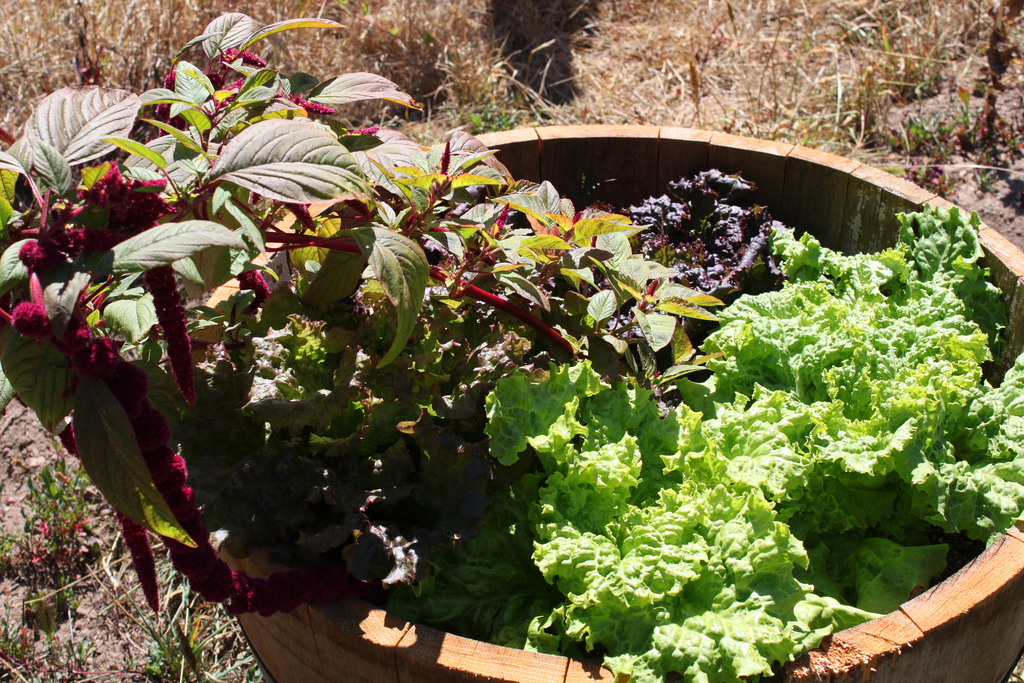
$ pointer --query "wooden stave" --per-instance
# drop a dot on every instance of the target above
(910, 644)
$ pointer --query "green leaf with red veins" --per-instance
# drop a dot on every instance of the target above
(111, 457)
(40, 375)
(356, 87)
(74, 121)
(288, 25)
(290, 161)
(167, 243)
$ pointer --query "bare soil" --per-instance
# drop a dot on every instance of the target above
(106, 644)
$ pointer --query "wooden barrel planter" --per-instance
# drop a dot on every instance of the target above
(968, 629)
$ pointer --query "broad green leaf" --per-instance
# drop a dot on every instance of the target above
(6, 392)
(138, 150)
(470, 180)
(260, 93)
(179, 135)
(12, 270)
(685, 309)
(167, 243)
(93, 173)
(339, 275)
(195, 118)
(252, 231)
(546, 242)
(74, 121)
(20, 153)
(8, 178)
(524, 288)
(355, 87)
(658, 329)
(585, 228)
(40, 375)
(61, 288)
(6, 211)
(163, 96)
(543, 201)
(300, 82)
(424, 181)
(402, 269)
(191, 83)
(111, 457)
(226, 32)
(133, 318)
(51, 168)
(288, 25)
(290, 161)
(602, 306)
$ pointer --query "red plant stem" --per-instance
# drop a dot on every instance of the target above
(483, 296)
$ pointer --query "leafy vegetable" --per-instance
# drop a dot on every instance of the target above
(802, 489)
(707, 228)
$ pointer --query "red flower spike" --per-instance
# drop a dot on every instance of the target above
(97, 359)
(31, 320)
(195, 563)
(142, 559)
(372, 130)
(127, 209)
(171, 315)
(182, 502)
(446, 157)
(311, 107)
(130, 385)
(67, 440)
(40, 256)
(77, 336)
(301, 212)
(152, 431)
(248, 58)
(253, 279)
(219, 585)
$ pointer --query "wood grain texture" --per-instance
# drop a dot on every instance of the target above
(682, 152)
(519, 150)
(873, 199)
(426, 655)
(761, 161)
(814, 196)
(623, 158)
(588, 671)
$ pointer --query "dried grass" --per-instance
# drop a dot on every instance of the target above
(822, 71)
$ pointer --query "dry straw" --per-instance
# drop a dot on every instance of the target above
(821, 71)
